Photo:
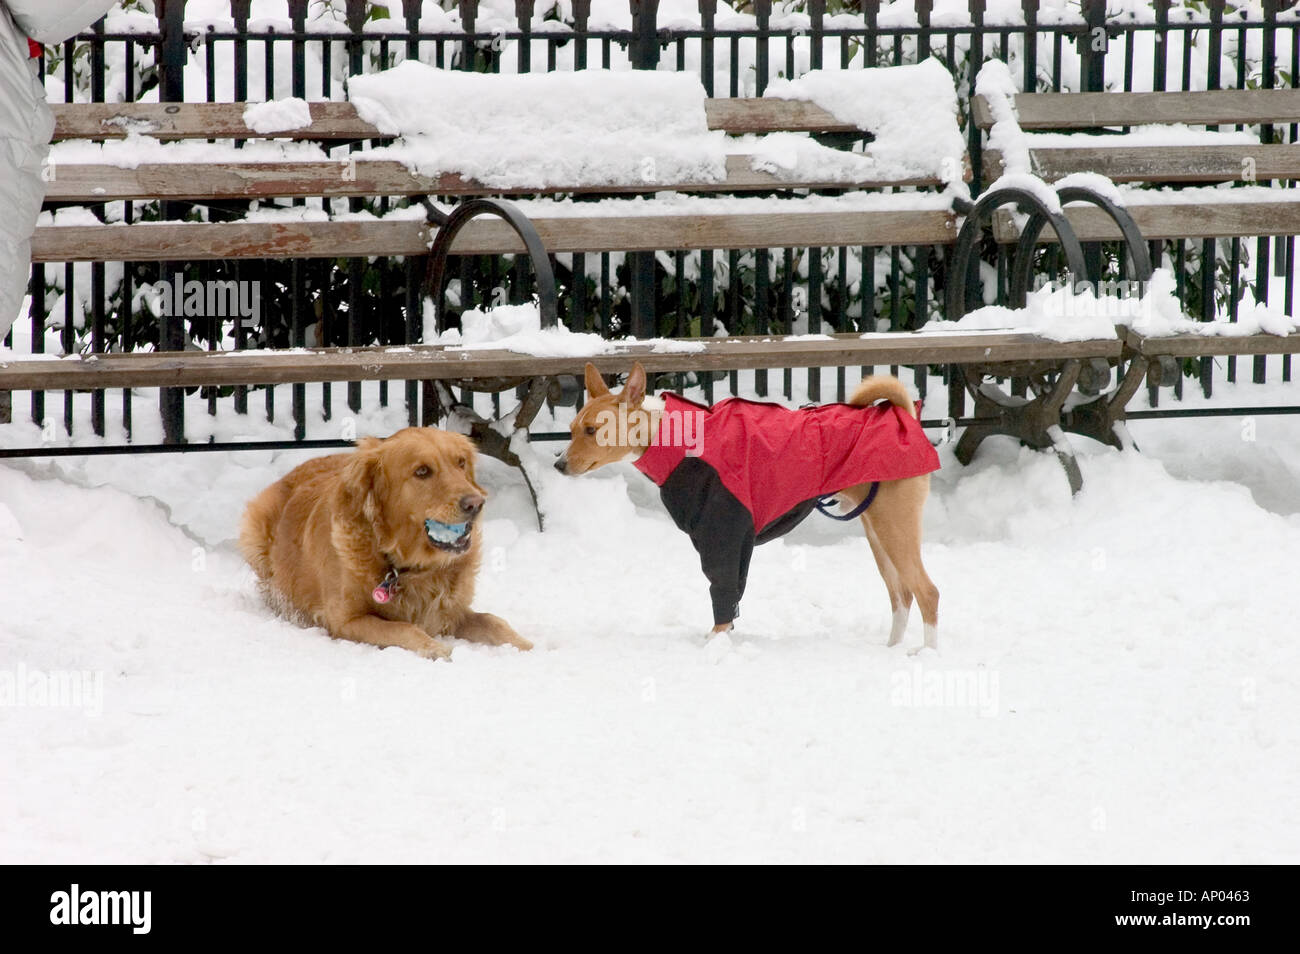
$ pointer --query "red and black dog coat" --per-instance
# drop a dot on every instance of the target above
(744, 472)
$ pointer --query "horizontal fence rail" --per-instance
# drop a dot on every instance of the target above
(155, 54)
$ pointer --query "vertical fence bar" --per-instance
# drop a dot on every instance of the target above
(816, 32)
(240, 10)
(126, 333)
(644, 54)
(581, 16)
(1093, 45)
(171, 89)
(817, 15)
(356, 21)
(414, 299)
(1209, 246)
(923, 9)
(37, 313)
(297, 268)
(524, 20)
(976, 8)
(870, 14)
(411, 313)
(468, 18)
(1030, 82)
(98, 292)
(867, 283)
(1159, 78)
(68, 337)
(1268, 81)
(708, 10)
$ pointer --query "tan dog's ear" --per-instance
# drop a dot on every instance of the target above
(363, 481)
(595, 383)
(634, 391)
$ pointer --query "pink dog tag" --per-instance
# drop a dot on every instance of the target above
(380, 594)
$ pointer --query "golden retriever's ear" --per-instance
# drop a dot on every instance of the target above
(363, 481)
(634, 390)
(595, 383)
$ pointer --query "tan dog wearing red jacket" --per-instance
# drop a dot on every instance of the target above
(742, 473)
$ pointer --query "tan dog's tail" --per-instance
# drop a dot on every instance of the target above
(257, 528)
(883, 387)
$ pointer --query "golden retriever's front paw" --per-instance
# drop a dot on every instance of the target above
(435, 649)
(493, 630)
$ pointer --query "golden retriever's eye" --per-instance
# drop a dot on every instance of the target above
(461, 462)
(423, 471)
(590, 431)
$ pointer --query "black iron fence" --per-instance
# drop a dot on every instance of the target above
(147, 49)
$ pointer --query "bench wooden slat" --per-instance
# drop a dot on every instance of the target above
(205, 241)
(1202, 108)
(347, 239)
(339, 121)
(1162, 163)
(363, 177)
(432, 363)
(1211, 220)
(1196, 346)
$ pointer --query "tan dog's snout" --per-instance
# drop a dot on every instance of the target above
(471, 504)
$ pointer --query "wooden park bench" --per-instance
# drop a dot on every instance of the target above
(1178, 199)
(926, 218)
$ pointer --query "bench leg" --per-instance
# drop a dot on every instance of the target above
(1035, 422)
(1103, 419)
(489, 435)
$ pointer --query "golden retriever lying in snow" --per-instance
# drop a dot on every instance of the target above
(378, 546)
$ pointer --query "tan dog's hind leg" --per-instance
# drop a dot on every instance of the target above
(900, 601)
(386, 632)
(493, 630)
(893, 526)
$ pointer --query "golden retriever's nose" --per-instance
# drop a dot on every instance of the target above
(562, 465)
(471, 503)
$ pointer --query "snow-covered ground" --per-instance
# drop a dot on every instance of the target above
(1118, 677)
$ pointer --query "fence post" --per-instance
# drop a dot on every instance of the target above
(468, 17)
(870, 13)
(976, 8)
(171, 89)
(1092, 47)
(1030, 82)
(524, 19)
(581, 14)
(923, 10)
(1259, 370)
(816, 24)
(1160, 68)
(708, 10)
(643, 51)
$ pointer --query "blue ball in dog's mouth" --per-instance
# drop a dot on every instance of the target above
(452, 537)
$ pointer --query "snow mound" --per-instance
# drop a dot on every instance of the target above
(277, 115)
(544, 130)
(1162, 316)
(1054, 312)
(518, 328)
(911, 111)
